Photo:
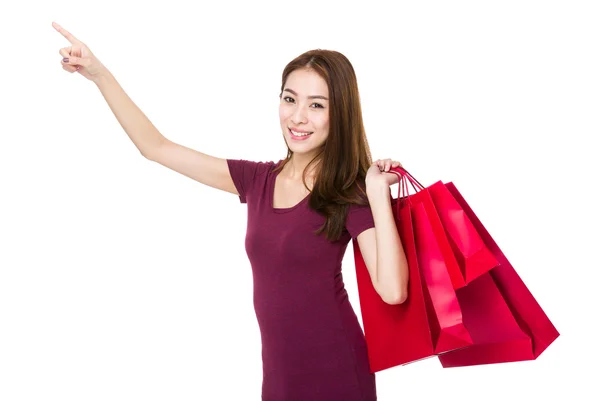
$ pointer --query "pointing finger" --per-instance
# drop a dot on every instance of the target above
(66, 33)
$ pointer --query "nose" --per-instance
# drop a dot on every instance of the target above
(299, 115)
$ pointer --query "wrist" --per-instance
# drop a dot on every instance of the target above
(104, 78)
(377, 189)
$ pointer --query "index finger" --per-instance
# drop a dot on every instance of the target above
(65, 33)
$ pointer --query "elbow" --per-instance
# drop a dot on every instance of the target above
(147, 154)
(398, 298)
(396, 291)
(399, 295)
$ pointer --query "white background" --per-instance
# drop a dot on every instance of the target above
(123, 280)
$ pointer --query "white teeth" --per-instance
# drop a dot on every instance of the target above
(300, 134)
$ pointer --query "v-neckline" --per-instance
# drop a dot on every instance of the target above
(272, 195)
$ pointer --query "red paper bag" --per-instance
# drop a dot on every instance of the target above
(472, 255)
(395, 334)
(496, 334)
(423, 196)
(505, 321)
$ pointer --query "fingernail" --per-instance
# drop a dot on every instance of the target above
(66, 59)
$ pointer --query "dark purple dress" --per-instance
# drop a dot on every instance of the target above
(313, 347)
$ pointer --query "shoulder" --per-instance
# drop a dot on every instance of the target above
(250, 167)
(247, 174)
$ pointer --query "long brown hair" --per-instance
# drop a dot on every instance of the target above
(344, 158)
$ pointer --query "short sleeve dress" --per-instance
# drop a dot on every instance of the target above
(313, 347)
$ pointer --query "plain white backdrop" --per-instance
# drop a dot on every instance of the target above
(123, 280)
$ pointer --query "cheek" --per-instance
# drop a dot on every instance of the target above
(323, 124)
(284, 114)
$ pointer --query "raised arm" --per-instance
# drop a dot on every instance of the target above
(206, 169)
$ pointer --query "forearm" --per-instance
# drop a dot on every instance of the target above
(137, 126)
(391, 266)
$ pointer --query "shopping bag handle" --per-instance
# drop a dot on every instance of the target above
(413, 180)
(402, 173)
(402, 192)
(404, 177)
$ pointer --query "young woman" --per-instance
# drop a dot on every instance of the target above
(302, 212)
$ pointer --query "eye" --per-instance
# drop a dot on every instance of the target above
(318, 104)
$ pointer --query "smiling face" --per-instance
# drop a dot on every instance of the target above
(304, 107)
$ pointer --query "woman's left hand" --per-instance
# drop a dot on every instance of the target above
(378, 173)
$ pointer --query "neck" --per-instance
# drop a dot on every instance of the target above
(296, 167)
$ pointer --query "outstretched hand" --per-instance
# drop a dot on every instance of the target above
(79, 58)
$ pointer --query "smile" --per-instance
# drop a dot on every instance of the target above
(299, 134)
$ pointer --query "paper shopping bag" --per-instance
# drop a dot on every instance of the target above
(506, 322)
(472, 256)
(395, 334)
(497, 337)
(423, 196)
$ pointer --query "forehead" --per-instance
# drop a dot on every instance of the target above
(306, 82)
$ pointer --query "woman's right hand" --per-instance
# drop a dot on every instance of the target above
(80, 58)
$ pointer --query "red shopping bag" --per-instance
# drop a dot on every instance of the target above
(423, 196)
(429, 321)
(506, 322)
(395, 334)
(496, 334)
(472, 255)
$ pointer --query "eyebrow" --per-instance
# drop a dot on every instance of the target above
(310, 97)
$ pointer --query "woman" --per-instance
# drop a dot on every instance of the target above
(302, 212)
